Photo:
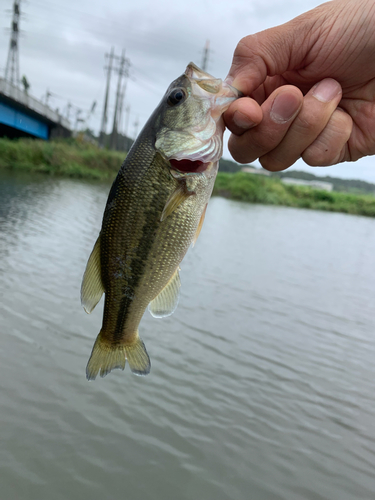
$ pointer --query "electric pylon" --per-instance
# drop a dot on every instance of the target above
(12, 70)
(105, 116)
(123, 70)
(206, 53)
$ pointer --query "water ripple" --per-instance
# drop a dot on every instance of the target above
(261, 382)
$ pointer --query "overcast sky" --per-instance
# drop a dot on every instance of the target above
(63, 44)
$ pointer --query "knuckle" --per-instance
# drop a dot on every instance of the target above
(310, 122)
(252, 144)
(321, 154)
(241, 153)
(328, 148)
(272, 163)
(244, 50)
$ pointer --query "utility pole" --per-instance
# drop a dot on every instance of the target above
(127, 113)
(89, 115)
(12, 70)
(48, 95)
(121, 106)
(206, 54)
(104, 117)
(78, 119)
(128, 141)
(123, 70)
(136, 124)
(68, 108)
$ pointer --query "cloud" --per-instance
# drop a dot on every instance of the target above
(62, 47)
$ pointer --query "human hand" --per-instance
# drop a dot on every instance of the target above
(295, 76)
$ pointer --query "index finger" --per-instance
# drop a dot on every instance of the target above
(242, 115)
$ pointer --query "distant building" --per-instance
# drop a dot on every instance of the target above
(326, 186)
(253, 170)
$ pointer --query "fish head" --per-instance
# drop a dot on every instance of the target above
(188, 122)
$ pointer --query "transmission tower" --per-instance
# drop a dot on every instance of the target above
(12, 70)
(120, 108)
(123, 70)
(206, 54)
(105, 117)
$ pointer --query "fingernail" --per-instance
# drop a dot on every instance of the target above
(242, 121)
(284, 107)
(326, 90)
(229, 80)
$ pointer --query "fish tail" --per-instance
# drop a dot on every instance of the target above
(107, 356)
(138, 358)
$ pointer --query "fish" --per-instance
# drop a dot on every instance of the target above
(154, 213)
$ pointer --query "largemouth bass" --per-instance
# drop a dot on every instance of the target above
(154, 212)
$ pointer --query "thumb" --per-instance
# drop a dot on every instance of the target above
(269, 53)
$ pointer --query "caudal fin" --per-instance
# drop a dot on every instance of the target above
(106, 357)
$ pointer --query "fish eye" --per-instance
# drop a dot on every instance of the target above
(176, 96)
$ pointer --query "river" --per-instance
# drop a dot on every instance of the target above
(262, 384)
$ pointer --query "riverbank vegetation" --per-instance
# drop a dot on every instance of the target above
(78, 159)
(271, 191)
(69, 157)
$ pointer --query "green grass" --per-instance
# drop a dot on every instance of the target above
(72, 158)
(271, 191)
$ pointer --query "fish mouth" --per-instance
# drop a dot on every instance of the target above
(201, 147)
(186, 166)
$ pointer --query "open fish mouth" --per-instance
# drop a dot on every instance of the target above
(203, 145)
(187, 166)
(195, 142)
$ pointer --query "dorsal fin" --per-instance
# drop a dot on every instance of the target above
(166, 302)
(92, 286)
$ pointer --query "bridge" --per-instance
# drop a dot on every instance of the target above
(24, 116)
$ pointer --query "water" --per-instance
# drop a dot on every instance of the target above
(262, 383)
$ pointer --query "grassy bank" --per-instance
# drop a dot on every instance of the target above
(271, 191)
(69, 158)
(77, 159)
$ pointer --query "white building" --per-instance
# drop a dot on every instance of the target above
(326, 186)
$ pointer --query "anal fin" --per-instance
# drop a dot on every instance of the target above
(166, 302)
(92, 287)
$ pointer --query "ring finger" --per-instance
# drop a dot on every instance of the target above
(318, 105)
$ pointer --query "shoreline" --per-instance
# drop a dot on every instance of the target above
(81, 160)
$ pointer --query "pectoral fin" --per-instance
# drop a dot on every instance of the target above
(179, 195)
(92, 286)
(166, 302)
(199, 228)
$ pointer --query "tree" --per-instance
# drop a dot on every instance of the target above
(25, 83)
